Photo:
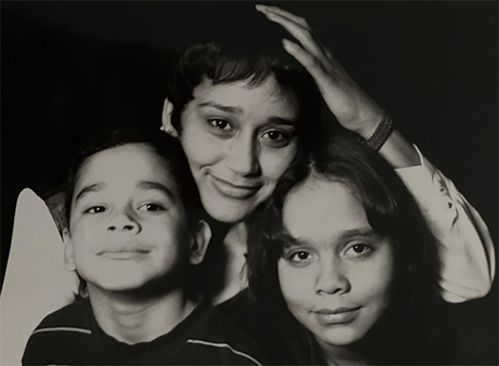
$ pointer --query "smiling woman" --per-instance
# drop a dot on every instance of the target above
(239, 139)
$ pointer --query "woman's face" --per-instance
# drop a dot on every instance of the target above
(239, 140)
(335, 274)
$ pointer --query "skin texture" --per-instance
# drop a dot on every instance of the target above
(334, 260)
(239, 140)
(127, 223)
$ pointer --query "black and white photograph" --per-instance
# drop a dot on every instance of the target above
(249, 183)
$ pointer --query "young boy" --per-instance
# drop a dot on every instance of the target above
(133, 232)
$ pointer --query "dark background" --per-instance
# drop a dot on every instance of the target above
(432, 64)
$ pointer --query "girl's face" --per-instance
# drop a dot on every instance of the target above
(335, 272)
(239, 140)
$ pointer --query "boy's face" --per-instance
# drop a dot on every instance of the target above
(128, 223)
(336, 274)
(239, 140)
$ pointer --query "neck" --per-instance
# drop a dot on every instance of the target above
(133, 319)
(342, 356)
(235, 278)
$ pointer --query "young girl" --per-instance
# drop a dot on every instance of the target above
(343, 248)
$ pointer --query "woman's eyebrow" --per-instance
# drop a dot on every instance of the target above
(282, 121)
(225, 108)
(150, 185)
(88, 189)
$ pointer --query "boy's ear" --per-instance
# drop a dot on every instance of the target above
(199, 242)
(166, 119)
(69, 262)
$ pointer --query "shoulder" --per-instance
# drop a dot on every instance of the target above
(271, 328)
(59, 333)
(72, 317)
(216, 333)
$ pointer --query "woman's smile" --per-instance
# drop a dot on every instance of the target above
(239, 140)
(240, 191)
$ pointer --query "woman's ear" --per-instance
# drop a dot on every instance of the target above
(199, 242)
(69, 262)
(166, 119)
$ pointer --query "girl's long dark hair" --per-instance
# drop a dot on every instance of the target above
(391, 211)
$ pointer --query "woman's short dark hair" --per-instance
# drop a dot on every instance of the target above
(165, 146)
(391, 211)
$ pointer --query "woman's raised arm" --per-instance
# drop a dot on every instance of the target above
(465, 245)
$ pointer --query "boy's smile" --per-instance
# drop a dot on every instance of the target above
(128, 222)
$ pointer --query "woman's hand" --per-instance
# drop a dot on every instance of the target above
(352, 107)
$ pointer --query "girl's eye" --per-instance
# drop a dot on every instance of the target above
(358, 250)
(220, 124)
(300, 256)
(95, 210)
(276, 138)
(151, 207)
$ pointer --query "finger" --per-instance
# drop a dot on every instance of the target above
(283, 13)
(310, 63)
(301, 34)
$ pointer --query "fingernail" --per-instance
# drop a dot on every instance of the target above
(261, 7)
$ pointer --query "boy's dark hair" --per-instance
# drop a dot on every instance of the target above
(232, 61)
(165, 146)
(391, 211)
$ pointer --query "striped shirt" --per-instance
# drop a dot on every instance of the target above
(71, 336)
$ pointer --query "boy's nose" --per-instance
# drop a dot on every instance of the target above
(123, 222)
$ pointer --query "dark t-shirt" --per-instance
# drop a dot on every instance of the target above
(283, 340)
(71, 336)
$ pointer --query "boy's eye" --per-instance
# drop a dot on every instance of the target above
(358, 250)
(95, 210)
(152, 207)
(220, 124)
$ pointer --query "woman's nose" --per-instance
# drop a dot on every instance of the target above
(242, 156)
(331, 279)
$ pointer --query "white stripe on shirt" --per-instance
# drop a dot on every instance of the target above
(224, 345)
(63, 329)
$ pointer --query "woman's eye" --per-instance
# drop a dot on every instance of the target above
(95, 210)
(220, 124)
(276, 138)
(358, 250)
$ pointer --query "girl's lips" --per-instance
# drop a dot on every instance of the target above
(336, 316)
(235, 191)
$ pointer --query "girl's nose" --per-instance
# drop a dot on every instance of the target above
(331, 279)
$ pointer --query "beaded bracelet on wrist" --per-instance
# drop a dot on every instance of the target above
(382, 132)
